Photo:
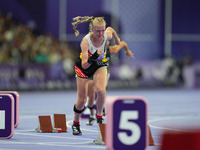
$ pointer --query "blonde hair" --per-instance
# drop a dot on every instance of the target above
(93, 22)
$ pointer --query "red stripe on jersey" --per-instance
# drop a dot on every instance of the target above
(89, 53)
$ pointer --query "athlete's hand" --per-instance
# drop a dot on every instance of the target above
(129, 54)
(100, 51)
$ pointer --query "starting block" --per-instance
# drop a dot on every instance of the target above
(181, 140)
(127, 123)
(45, 124)
(60, 122)
(102, 135)
(6, 116)
(151, 141)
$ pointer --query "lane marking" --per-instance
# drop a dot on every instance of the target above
(62, 137)
(58, 144)
(171, 118)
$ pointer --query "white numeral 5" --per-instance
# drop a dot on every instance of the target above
(125, 124)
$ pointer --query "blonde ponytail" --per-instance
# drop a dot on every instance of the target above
(78, 20)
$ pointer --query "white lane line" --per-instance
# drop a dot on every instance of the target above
(58, 144)
(49, 136)
(171, 118)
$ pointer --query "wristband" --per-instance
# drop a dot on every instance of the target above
(92, 58)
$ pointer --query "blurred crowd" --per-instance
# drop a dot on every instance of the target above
(19, 44)
(166, 72)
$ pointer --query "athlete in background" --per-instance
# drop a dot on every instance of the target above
(111, 50)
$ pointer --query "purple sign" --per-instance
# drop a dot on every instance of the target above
(16, 105)
(6, 116)
(128, 126)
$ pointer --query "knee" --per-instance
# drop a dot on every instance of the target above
(81, 103)
(101, 91)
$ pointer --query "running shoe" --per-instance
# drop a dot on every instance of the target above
(91, 121)
(76, 130)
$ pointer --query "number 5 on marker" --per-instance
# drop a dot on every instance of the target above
(134, 128)
(126, 123)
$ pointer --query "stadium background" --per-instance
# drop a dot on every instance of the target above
(38, 45)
